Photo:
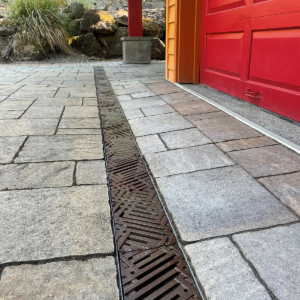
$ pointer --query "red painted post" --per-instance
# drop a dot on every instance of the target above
(135, 23)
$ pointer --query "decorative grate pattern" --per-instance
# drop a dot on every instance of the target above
(152, 266)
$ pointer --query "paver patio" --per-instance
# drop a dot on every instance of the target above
(232, 194)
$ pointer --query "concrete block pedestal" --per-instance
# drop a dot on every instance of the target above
(136, 50)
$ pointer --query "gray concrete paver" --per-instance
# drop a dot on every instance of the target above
(157, 110)
(219, 202)
(141, 103)
(10, 114)
(184, 138)
(275, 255)
(84, 123)
(265, 161)
(13, 105)
(90, 279)
(78, 131)
(133, 114)
(178, 97)
(77, 112)
(91, 172)
(61, 147)
(159, 124)
(36, 175)
(224, 274)
(150, 144)
(58, 102)
(54, 222)
(194, 107)
(286, 188)
(9, 146)
(43, 112)
(187, 160)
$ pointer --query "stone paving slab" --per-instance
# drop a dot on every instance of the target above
(286, 188)
(159, 124)
(61, 147)
(142, 95)
(78, 131)
(48, 223)
(134, 90)
(223, 272)
(161, 90)
(36, 175)
(10, 114)
(150, 144)
(58, 102)
(141, 103)
(27, 127)
(133, 114)
(78, 112)
(186, 160)
(90, 102)
(178, 97)
(275, 254)
(224, 129)
(194, 107)
(9, 146)
(13, 105)
(246, 144)
(84, 123)
(44, 112)
(91, 172)
(184, 138)
(157, 110)
(266, 161)
(203, 116)
(90, 279)
(219, 202)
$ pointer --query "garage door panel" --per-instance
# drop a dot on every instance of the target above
(222, 5)
(275, 58)
(223, 52)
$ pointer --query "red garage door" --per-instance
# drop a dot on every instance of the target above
(251, 50)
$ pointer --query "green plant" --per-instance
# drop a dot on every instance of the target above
(40, 21)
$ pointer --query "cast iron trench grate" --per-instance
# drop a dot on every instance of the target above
(151, 264)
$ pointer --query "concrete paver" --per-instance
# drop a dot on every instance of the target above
(43, 112)
(224, 274)
(178, 97)
(246, 144)
(13, 105)
(78, 131)
(77, 112)
(158, 124)
(141, 103)
(194, 107)
(90, 279)
(10, 114)
(9, 147)
(61, 147)
(58, 102)
(36, 175)
(224, 129)
(265, 161)
(133, 114)
(91, 172)
(47, 223)
(274, 253)
(28, 127)
(84, 123)
(157, 110)
(187, 160)
(286, 188)
(212, 115)
(150, 144)
(184, 138)
(220, 202)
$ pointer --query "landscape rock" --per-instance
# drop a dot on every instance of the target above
(158, 49)
(87, 44)
(150, 27)
(98, 21)
(113, 44)
(6, 28)
(26, 51)
(3, 44)
(77, 10)
(122, 20)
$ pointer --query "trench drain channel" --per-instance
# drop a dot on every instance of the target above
(151, 263)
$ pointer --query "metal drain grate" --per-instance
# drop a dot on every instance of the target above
(152, 266)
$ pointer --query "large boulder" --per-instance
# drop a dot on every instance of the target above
(6, 28)
(150, 27)
(158, 49)
(4, 42)
(98, 21)
(87, 44)
(113, 44)
(25, 51)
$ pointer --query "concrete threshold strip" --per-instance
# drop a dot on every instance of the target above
(150, 260)
(253, 125)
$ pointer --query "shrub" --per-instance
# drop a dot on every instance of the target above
(40, 21)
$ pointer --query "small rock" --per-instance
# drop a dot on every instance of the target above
(150, 27)
(76, 10)
(158, 49)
